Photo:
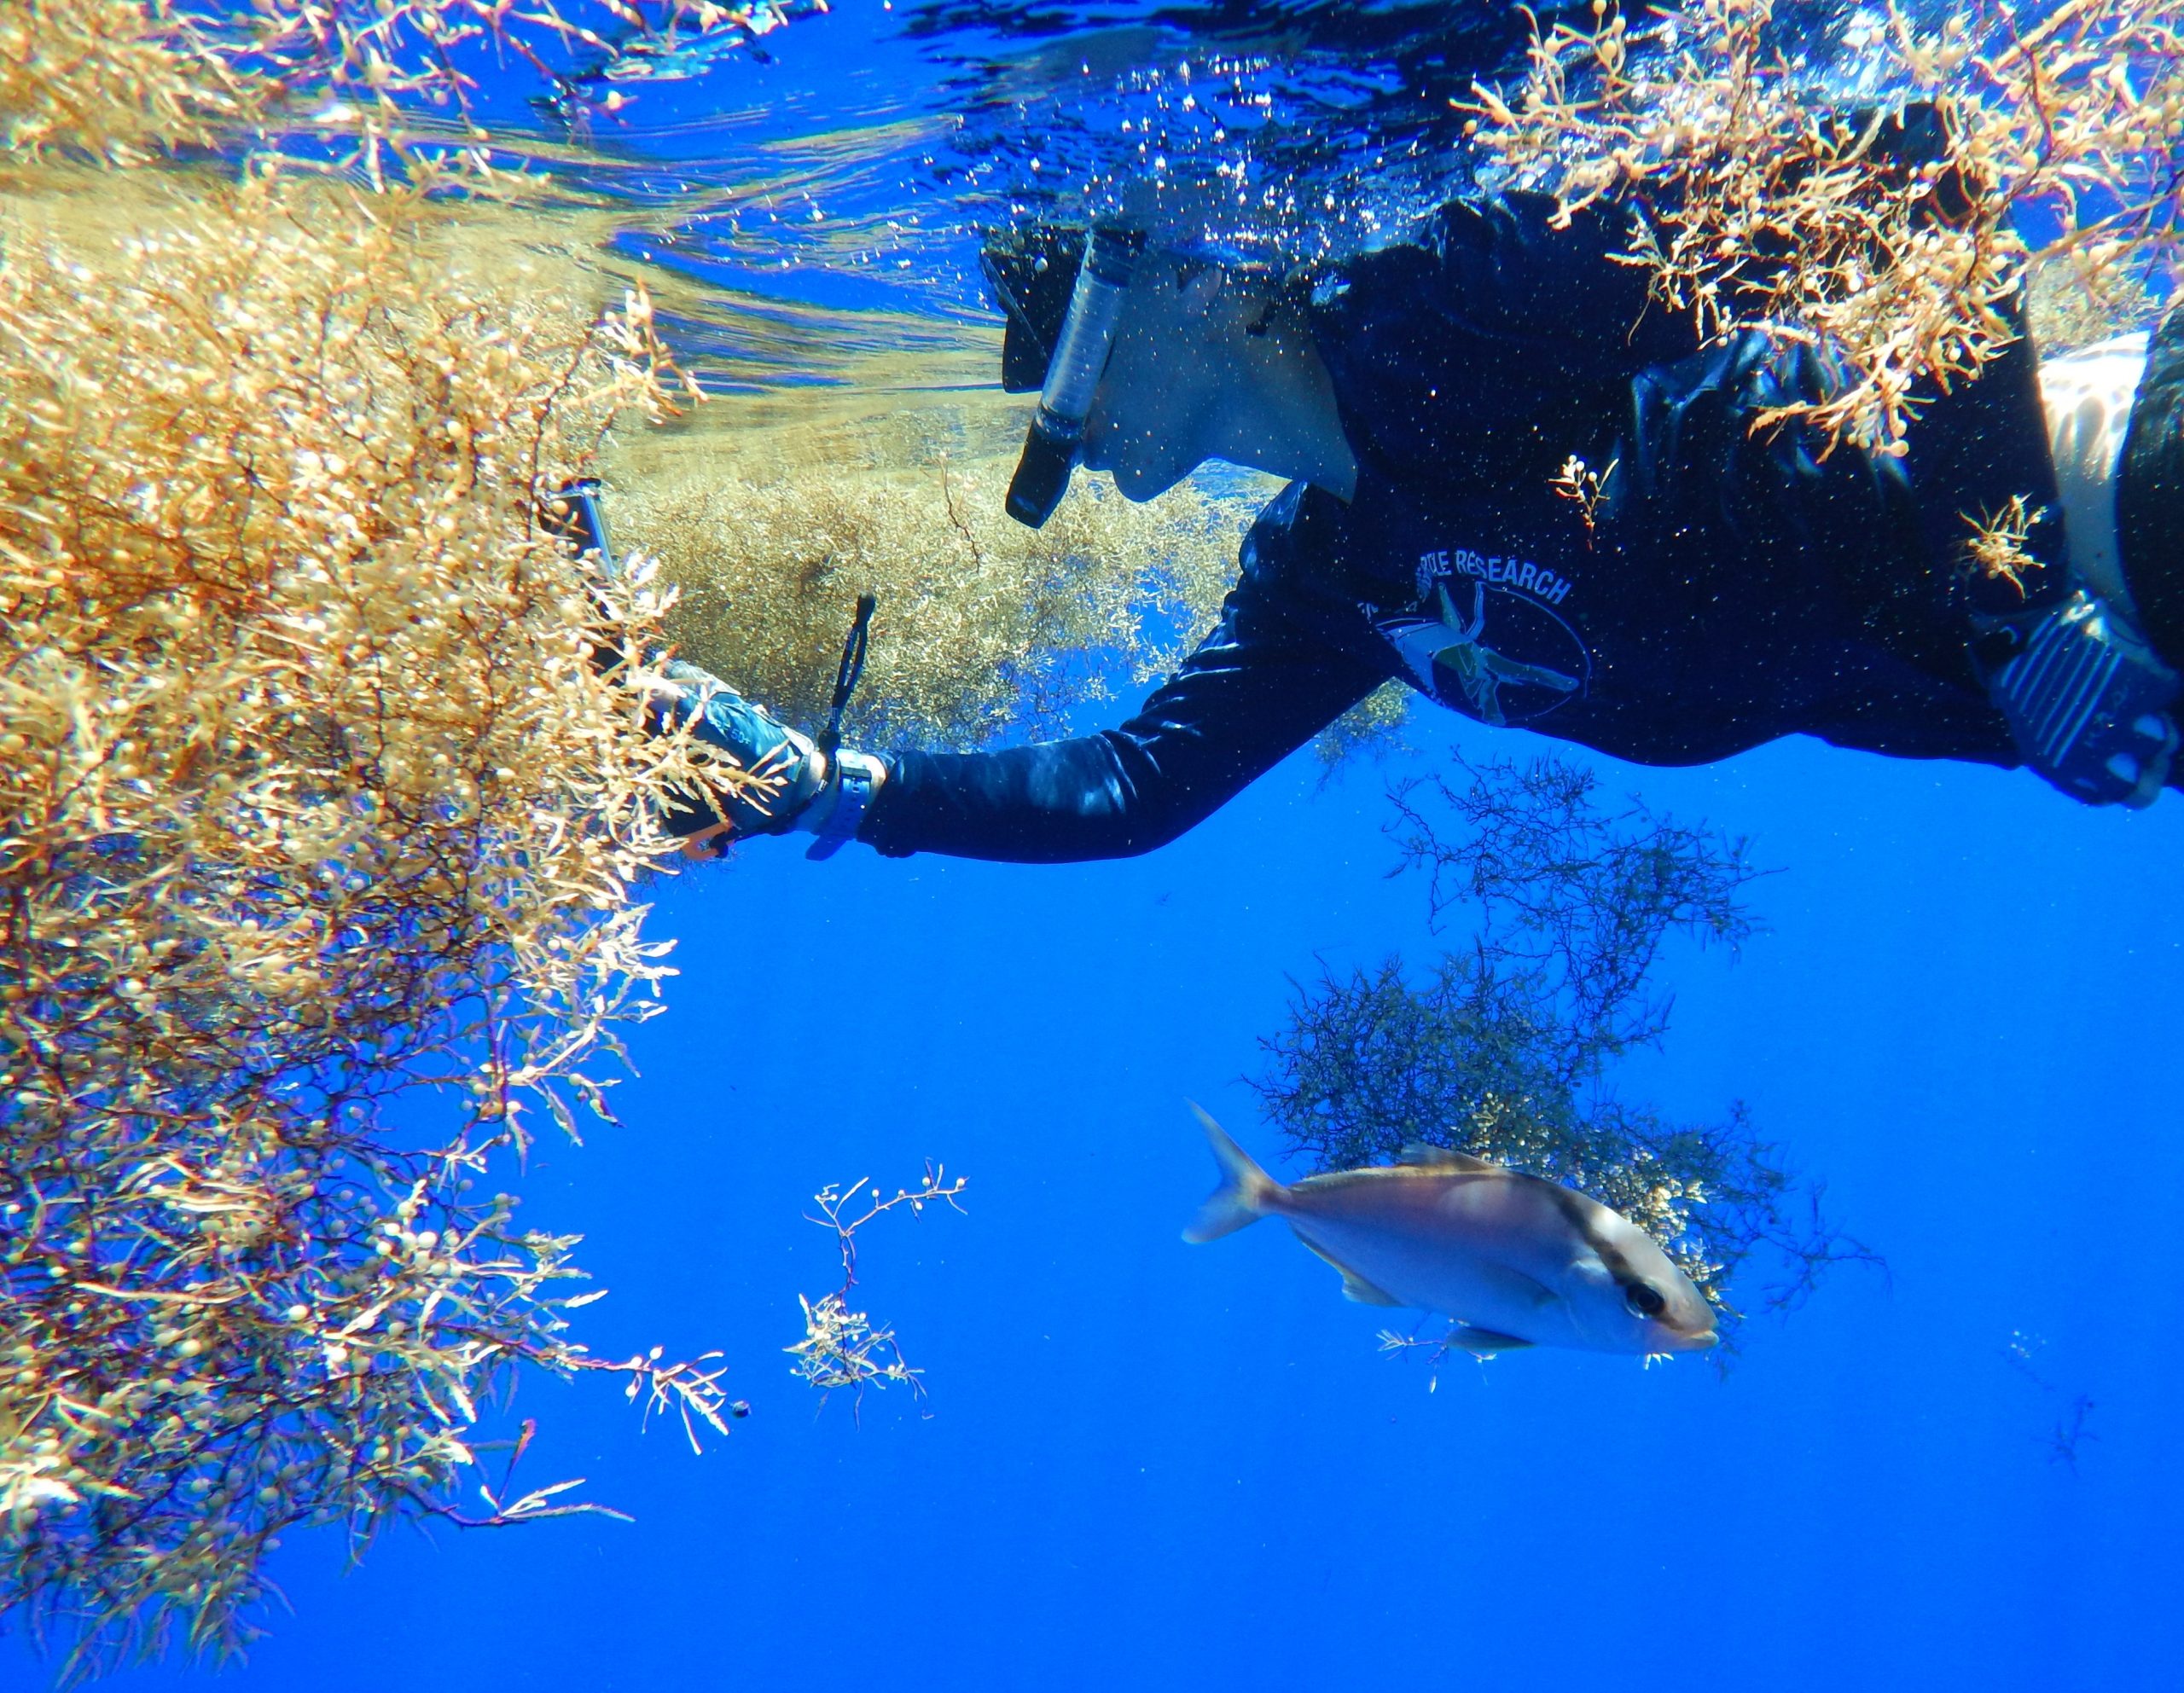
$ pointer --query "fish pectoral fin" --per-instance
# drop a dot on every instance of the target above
(1484, 1342)
(1516, 1287)
(1355, 1287)
(1425, 1154)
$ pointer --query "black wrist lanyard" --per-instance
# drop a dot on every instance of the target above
(845, 676)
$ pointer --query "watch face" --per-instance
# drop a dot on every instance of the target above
(1493, 652)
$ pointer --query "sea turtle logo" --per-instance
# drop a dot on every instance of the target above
(1528, 663)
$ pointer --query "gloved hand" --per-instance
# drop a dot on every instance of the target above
(804, 787)
(2087, 698)
(806, 790)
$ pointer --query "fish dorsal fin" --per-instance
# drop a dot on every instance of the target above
(1425, 1156)
(1355, 1287)
(1484, 1342)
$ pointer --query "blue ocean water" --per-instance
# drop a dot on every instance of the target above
(1144, 1464)
(1147, 1464)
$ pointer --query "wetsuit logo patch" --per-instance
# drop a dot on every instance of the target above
(1506, 658)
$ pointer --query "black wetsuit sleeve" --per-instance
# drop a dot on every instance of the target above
(1258, 688)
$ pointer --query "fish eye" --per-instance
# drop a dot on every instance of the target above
(1645, 1300)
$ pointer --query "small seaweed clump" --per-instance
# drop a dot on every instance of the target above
(984, 626)
(1501, 1051)
(842, 1348)
(1371, 729)
(1899, 228)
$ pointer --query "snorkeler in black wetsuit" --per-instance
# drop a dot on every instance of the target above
(1724, 587)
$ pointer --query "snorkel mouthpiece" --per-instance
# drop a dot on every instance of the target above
(1088, 335)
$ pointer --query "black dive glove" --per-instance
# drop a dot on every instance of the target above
(2087, 698)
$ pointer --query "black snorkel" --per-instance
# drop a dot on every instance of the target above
(571, 515)
(1087, 336)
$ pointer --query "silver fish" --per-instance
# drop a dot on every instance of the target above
(1516, 1259)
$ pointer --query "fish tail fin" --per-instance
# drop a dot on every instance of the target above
(1246, 1193)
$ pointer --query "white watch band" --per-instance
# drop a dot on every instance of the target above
(856, 779)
